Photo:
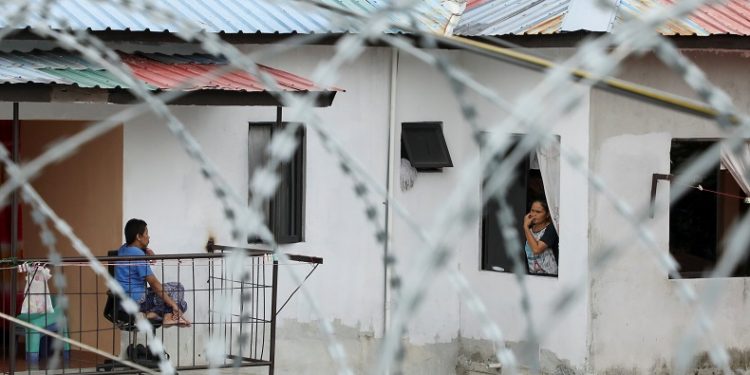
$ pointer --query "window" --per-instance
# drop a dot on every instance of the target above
(700, 219)
(285, 212)
(423, 144)
(527, 185)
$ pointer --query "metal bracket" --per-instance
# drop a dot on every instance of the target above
(315, 265)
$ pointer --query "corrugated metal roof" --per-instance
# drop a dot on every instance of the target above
(732, 18)
(158, 71)
(13, 74)
(46, 59)
(501, 17)
(198, 76)
(197, 58)
(228, 16)
(481, 17)
(25, 68)
(220, 16)
(87, 78)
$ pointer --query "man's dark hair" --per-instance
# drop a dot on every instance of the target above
(133, 228)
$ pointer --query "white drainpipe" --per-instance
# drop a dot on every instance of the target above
(391, 174)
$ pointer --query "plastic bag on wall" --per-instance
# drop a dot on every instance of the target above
(408, 175)
(36, 296)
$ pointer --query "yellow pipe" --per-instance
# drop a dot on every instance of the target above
(639, 91)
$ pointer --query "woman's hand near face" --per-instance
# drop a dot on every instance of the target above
(527, 220)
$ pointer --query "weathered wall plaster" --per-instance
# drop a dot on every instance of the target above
(637, 319)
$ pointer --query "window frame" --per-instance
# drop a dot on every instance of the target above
(719, 215)
(519, 210)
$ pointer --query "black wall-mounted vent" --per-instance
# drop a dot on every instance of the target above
(423, 144)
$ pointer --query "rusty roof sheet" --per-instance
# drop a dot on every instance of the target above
(503, 17)
(729, 18)
(157, 71)
(203, 75)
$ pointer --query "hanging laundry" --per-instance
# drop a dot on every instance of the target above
(36, 291)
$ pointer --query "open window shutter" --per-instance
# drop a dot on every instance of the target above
(494, 250)
(288, 204)
(258, 140)
(423, 144)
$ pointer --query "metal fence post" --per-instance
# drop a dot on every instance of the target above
(274, 289)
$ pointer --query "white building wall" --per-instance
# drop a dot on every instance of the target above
(164, 187)
(424, 95)
(566, 338)
(637, 318)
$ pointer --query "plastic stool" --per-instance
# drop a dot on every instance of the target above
(36, 342)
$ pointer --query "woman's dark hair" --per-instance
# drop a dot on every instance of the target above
(543, 203)
(133, 228)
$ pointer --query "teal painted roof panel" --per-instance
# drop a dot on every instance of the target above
(88, 78)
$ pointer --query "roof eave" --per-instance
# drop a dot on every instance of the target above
(573, 39)
(56, 93)
(172, 37)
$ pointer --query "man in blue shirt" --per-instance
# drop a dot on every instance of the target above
(165, 301)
